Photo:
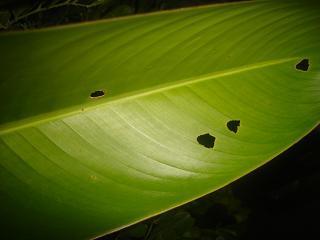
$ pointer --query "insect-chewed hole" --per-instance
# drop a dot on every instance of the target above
(206, 140)
(97, 94)
(303, 65)
(233, 125)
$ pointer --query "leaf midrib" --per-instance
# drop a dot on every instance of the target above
(65, 112)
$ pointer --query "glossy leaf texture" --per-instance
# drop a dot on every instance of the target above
(74, 166)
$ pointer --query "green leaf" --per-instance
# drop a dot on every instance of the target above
(74, 167)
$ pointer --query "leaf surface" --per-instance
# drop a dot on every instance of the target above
(74, 167)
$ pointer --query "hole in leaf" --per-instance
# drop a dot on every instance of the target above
(206, 140)
(303, 65)
(233, 125)
(97, 94)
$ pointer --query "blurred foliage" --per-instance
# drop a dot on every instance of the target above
(220, 216)
(28, 14)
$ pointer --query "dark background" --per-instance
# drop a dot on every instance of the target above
(26, 14)
(277, 201)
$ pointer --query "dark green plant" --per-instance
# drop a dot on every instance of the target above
(109, 123)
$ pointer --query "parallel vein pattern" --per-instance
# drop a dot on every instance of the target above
(72, 167)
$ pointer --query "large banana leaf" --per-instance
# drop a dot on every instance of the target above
(74, 166)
